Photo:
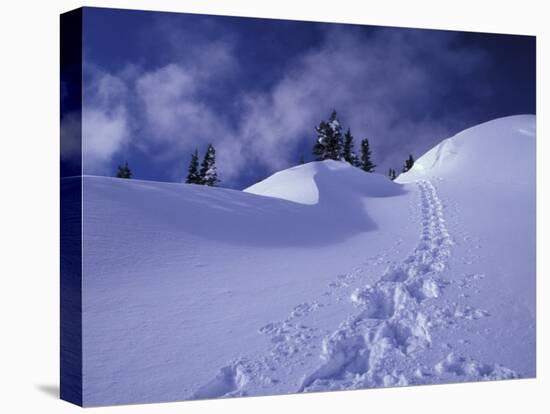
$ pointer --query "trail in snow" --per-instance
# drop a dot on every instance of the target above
(381, 344)
(366, 349)
(378, 346)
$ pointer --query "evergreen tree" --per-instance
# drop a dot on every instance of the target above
(208, 172)
(336, 149)
(193, 176)
(336, 144)
(329, 144)
(124, 171)
(409, 162)
(319, 148)
(366, 162)
(347, 152)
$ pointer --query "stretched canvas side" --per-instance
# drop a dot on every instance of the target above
(71, 207)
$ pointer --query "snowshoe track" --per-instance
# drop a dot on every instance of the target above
(377, 346)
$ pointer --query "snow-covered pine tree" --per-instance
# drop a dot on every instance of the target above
(348, 153)
(208, 172)
(366, 162)
(319, 148)
(409, 162)
(329, 144)
(336, 147)
(124, 171)
(193, 176)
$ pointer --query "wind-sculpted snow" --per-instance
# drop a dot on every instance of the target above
(479, 152)
(380, 345)
(244, 218)
(329, 183)
(354, 282)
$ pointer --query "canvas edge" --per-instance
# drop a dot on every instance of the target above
(71, 370)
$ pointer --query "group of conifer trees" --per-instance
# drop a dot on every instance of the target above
(207, 174)
(124, 171)
(331, 144)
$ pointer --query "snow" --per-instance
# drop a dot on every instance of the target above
(505, 145)
(304, 183)
(334, 124)
(320, 277)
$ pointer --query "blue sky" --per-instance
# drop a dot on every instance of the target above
(158, 85)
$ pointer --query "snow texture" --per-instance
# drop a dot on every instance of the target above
(321, 277)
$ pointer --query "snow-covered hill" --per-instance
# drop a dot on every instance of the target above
(319, 277)
(329, 183)
(498, 152)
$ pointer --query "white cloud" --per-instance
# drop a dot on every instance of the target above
(104, 133)
(383, 87)
(173, 109)
(162, 111)
(105, 124)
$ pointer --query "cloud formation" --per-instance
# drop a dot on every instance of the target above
(395, 87)
(385, 88)
(105, 121)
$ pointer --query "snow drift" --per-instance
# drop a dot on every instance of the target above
(331, 183)
(497, 152)
(319, 277)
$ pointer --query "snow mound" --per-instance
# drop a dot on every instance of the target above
(347, 280)
(505, 145)
(324, 181)
(333, 193)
